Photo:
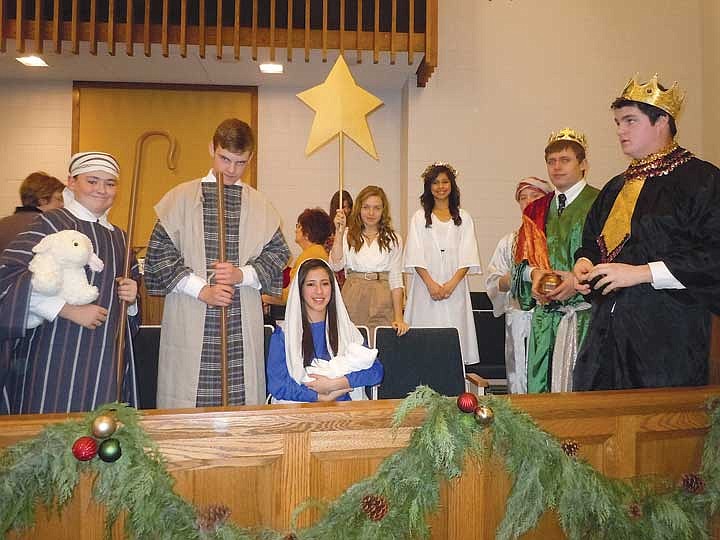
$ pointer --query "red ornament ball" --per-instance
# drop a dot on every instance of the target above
(467, 402)
(85, 448)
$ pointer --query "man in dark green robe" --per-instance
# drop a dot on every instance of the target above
(652, 242)
(550, 234)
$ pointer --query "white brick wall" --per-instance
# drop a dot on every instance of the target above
(35, 134)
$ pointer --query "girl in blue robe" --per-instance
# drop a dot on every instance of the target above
(302, 364)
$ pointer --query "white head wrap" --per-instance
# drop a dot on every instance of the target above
(348, 334)
(85, 162)
(535, 183)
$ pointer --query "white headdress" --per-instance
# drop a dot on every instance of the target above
(85, 162)
(348, 333)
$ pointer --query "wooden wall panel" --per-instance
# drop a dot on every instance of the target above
(684, 448)
(263, 461)
(249, 491)
(714, 367)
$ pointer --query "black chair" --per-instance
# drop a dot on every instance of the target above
(268, 330)
(423, 356)
(146, 347)
(277, 313)
(491, 341)
(365, 331)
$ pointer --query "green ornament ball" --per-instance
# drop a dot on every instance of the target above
(109, 450)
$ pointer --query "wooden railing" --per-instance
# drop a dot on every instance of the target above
(264, 461)
(380, 26)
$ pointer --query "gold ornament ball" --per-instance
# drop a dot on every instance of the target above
(104, 426)
(484, 415)
(549, 282)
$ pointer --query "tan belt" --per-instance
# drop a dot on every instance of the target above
(367, 276)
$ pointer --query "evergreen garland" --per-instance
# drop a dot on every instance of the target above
(393, 503)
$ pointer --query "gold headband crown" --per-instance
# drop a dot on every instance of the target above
(439, 164)
(568, 134)
(669, 101)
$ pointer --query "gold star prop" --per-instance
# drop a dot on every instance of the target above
(340, 106)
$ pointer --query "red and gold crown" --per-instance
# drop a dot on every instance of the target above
(568, 134)
(669, 101)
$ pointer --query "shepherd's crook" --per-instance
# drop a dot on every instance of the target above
(120, 341)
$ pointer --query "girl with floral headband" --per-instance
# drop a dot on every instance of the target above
(441, 250)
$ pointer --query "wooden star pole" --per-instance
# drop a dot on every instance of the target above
(341, 108)
(341, 166)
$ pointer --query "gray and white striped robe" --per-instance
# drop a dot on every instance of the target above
(61, 366)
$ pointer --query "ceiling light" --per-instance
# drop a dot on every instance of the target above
(271, 68)
(32, 61)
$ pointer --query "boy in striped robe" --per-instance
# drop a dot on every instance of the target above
(66, 363)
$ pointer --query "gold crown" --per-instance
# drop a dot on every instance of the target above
(669, 101)
(439, 164)
(568, 134)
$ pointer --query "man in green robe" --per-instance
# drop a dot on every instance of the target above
(550, 234)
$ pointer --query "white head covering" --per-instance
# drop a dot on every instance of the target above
(85, 162)
(348, 333)
(533, 182)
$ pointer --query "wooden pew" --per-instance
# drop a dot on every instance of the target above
(263, 461)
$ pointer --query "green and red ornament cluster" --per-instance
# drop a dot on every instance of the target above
(86, 448)
(130, 476)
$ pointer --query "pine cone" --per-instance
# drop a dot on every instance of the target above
(635, 511)
(375, 506)
(714, 404)
(570, 447)
(213, 516)
(692, 483)
(290, 536)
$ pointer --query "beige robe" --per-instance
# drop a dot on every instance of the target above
(183, 324)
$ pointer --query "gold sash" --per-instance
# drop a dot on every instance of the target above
(616, 230)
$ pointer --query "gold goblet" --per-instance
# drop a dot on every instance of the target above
(549, 282)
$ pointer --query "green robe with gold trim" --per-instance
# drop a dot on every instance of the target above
(557, 238)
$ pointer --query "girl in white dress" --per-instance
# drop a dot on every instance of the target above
(371, 254)
(441, 250)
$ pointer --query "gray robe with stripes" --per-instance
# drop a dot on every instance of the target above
(185, 241)
(61, 366)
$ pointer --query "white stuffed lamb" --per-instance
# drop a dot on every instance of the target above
(58, 267)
